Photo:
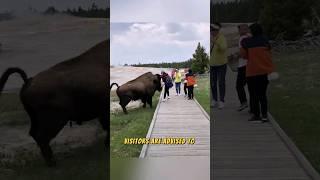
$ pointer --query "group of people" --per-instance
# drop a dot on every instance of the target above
(254, 66)
(188, 83)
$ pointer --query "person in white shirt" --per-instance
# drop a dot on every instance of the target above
(241, 77)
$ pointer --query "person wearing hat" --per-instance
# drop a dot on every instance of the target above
(241, 75)
(218, 65)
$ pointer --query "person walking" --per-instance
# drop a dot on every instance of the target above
(241, 76)
(191, 81)
(258, 52)
(166, 79)
(218, 65)
(177, 81)
(185, 86)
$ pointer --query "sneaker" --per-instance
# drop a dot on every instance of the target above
(221, 105)
(243, 106)
(264, 119)
(254, 118)
(214, 104)
(168, 97)
(164, 100)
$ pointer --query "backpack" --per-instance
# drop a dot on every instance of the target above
(168, 82)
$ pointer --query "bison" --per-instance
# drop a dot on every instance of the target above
(73, 90)
(143, 87)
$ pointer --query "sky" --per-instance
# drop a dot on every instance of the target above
(133, 43)
(160, 10)
(154, 31)
(22, 5)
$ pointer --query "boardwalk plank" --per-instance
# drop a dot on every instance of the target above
(247, 150)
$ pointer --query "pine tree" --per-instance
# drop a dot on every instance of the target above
(200, 60)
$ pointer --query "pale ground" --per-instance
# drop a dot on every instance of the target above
(34, 44)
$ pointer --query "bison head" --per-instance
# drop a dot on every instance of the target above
(157, 82)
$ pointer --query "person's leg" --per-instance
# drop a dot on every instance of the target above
(192, 87)
(262, 95)
(222, 81)
(179, 88)
(189, 92)
(185, 89)
(213, 82)
(240, 84)
(254, 101)
(165, 92)
(250, 89)
(176, 88)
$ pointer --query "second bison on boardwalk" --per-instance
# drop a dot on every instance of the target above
(143, 87)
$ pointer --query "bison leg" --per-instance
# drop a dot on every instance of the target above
(144, 101)
(40, 138)
(44, 129)
(104, 122)
(149, 100)
(124, 101)
(47, 154)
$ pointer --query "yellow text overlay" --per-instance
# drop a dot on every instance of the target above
(167, 140)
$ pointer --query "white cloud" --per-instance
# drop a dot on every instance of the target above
(160, 10)
(150, 42)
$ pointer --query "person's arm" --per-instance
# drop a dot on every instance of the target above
(221, 43)
(243, 49)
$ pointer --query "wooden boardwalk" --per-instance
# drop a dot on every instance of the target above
(179, 117)
(244, 150)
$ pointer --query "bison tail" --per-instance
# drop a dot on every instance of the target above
(114, 84)
(10, 71)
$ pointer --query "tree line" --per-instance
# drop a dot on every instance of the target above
(92, 12)
(198, 63)
(287, 19)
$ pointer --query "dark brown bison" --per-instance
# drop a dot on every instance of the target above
(143, 87)
(73, 90)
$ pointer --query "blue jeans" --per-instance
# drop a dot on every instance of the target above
(218, 78)
(178, 87)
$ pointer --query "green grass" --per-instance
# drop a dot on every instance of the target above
(11, 110)
(202, 93)
(294, 100)
(133, 125)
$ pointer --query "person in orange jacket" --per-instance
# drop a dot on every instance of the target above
(191, 81)
(257, 50)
